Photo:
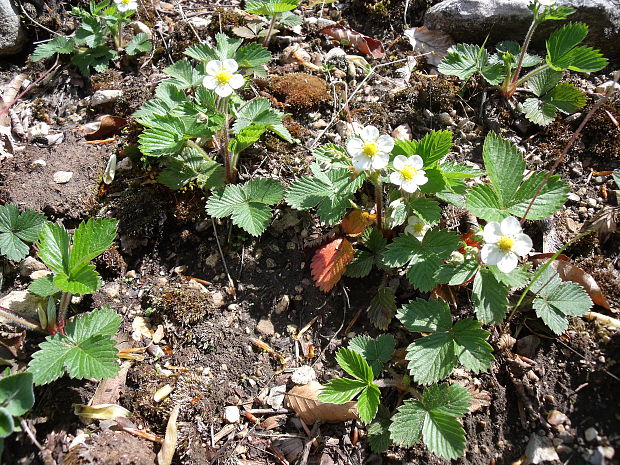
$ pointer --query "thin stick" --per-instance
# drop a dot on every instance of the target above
(570, 143)
(219, 247)
(30, 434)
(21, 7)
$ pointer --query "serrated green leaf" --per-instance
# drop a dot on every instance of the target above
(464, 60)
(102, 322)
(616, 176)
(490, 298)
(556, 12)
(60, 44)
(556, 299)
(565, 97)
(183, 75)
(97, 58)
(341, 390)
(425, 316)
(156, 142)
(379, 434)
(190, 166)
(368, 403)
(270, 7)
(427, 209)
(484, 202)
(84, 281)
(544, 81)
(435, 183)
(355, 365)
(504, 165)
(252, 57)
(382, 308)
(434, 146)
(16, 394)
(258, 112)
(561, 43)
(289, 19)
(422, 273)
(44, 286)
(331, 194)
(406, 248)
(140, 43)
(226, 46)
(539, 112)
(472, 349)
(455, 274)
(405, 147)
(54, 247)
(90, 240)
(17, 229)
(248, 205)
(514, 48)
(431, 358)
(516, 279)
(361, 264)
(550, 199)
(246, 137)
(201, 52)
(587, 60)
(376, 352)
(90, 32)
(434, 418)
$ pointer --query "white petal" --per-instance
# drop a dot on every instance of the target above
(508, 262)
(409, 186)
(380, 161)
(416, 161)
(230, 64)
(523, 244)
(490, 254)
(413, 220)
(213, 67)
(210, 82)
(492, 232)
(236, 81)
(223, 90)
(396, 178)
(354, 146)
(369, 133)
(510, 226)
(399, 162)
(409, 230)
(420, 179)
(385, 143)
(361, 163)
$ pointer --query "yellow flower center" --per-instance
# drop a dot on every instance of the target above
(418, 227)
(126, 2)
(506, 244)
(409, 172)
(370, 149)
(223, 76)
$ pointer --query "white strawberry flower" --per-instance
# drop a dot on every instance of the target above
(126, 5)
(221, 77)
(504, 243)
(416, 227)
(546, 2)
(370, 150)
(409, 174)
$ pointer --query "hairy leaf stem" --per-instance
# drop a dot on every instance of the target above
(379, 201)
(229, 168)
(270, 31)
(65, 300)
(528, 37)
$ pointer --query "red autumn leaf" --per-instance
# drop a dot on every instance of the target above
(330, 262)
(368, 45)
(109, 126)
(568, 271)
(356, 221)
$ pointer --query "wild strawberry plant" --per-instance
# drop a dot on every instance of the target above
(200, 105)
(16, 398)
(409, 237)
(278, 12)
(503, 68)
(18, 230)
(90, 44)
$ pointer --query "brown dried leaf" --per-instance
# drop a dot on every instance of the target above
(108, 127)
(356, 221)
(303, 400)
(100, 412)
(604, 222)
(108, 391)
(164, 456)
(568, 271)
(368, 45)
(330, 262)
(274, 422)
(432, 44)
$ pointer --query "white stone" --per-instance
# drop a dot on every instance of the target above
(39, 164)
(12, 35)
(124, 165)
(23, 303)
(232, 414)
(30, 264)
(105, 96)
(282, 305)
(590, 434)
(62, 177)
(276, 396)
(39, 274)
(39, 129)
(539, 449)
(303, 375)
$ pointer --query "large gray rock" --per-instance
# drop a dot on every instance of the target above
(12, 36)
(471, 20)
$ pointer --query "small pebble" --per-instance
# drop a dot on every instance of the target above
(232, 414)
(131, 274)
(303, 375)
(105, 96)
(574, 197)
(62, 177)
(591, 202)
(590, 434)
(556, 417)
(39, 164)
(445, 119)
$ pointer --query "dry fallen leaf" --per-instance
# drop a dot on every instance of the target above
(164, 456)
(368, 45)
(568, 271)
(303, 400)
(101, 411)
(330, 262)
(432, 44)
(356, 221)
(107, 127)
(109, 389)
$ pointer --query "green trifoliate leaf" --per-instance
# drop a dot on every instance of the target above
(90, 240)
(331, 156)
(539, 112)
(544, 81)
(490, 298)
(405, 147)
(406, 248)
(516, 279)
(253, 57)
(434, 146)
(85, 281)
(561, 44)
(16, 230)
(514, 48)
(54, 247)
(190, 166)
(382, 308)
(504, 165)
(164, 139)
(289, 19)
(248, 205)
(202, 52)
(97, 58)
(259, 113)
(44, 286)
(587, 60)
(355, 365)
(455, 274)
(60, 44)
(90, 32)
(16, 394)
(183, 75)
(86, 350)
(139, 44)
(376, 352)
(435, 183)
(427, 209)
(331, 193)
(341, 390)
(464, 60)
(549, 200)
(246, 137)
(270, 7)
(368, 403)
(565, 97)
(556, 300)
(364, 260)
(556, 12)
(434, 419)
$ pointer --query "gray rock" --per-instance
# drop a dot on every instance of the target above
(23, 303)
(471, 20)
(265, 326)
(539, 449)
(30, 264)
(12, 35)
